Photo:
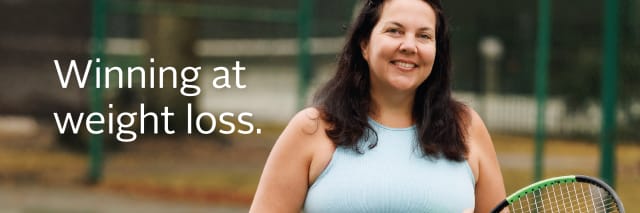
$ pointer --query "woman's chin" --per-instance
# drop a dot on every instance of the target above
(404, 86)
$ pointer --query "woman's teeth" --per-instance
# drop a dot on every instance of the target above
(405, 65)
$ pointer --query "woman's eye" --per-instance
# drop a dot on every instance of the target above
(393, 31)
(425, 36)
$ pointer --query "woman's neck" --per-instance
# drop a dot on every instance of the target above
(392, 108)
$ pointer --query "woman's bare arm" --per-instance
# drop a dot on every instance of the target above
(489, 185)
(284, 181)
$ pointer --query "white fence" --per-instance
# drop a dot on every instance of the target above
(515, 113)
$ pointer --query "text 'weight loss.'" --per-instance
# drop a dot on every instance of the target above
(95, 122)
(123, 124)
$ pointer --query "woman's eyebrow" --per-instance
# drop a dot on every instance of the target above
(402, 26)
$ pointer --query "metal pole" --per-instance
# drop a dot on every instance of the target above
(609, 78)
(542, 66)
(305, 10)
(98, 26)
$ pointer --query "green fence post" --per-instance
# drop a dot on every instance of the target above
(305, 10)
(609, 79)
(542, 66)
(98, 26)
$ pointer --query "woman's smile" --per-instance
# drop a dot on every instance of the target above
(404, 65)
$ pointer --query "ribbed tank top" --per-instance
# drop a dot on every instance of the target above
(392, 177)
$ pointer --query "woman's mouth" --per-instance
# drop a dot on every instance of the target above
(404, 65)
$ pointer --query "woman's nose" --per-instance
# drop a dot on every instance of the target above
(408, 46)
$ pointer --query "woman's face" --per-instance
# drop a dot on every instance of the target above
(402, 46)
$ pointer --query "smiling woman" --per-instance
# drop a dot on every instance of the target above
(384, 134)
(401, 50)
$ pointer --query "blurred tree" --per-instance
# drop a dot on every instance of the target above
(171, 39)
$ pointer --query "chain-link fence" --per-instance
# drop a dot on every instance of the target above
(575, 67)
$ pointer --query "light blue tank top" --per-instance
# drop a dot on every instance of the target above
(392, 177)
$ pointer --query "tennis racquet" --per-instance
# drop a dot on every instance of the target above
(574, 193)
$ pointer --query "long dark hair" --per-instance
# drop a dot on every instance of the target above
(345, 102)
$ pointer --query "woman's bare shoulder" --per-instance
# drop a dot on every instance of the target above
(304, 129)
(308, 121)
(474, 125)
(477, 139)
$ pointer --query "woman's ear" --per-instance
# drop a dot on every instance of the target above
(363, 48)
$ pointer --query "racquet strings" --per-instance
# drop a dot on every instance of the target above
(566, 197)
